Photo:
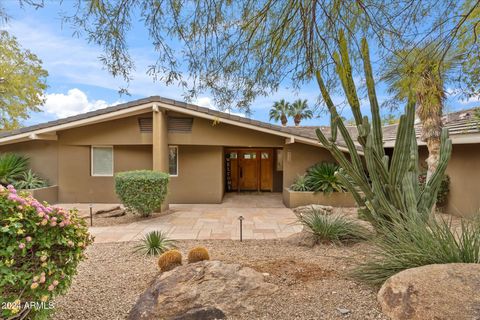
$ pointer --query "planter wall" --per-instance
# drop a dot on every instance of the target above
(293, 199)
(48, 194)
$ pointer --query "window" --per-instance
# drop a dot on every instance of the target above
(279, 160)
(102, 161)
(265, 155)
(173, 160)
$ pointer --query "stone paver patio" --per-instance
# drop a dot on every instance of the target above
(265, 217)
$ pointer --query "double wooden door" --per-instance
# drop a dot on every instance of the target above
(249, 169)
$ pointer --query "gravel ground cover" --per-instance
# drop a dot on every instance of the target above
(313, 283)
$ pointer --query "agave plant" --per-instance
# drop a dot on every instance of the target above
(154, 243)
(29, 180)
(321, 178)
(12, 167)
(300, 184)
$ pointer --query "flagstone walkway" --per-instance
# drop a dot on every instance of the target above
(265, 217)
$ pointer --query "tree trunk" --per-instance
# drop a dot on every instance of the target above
(284, 120)
(297, 120)
(431, 119)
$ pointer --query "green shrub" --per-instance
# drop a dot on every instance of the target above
(12, 167)
(443, 190)
(411, 243)
(40, 248)
(332, 228)
(142, 191)
(29, 180)
(300, 184)
(321, 178)
(154, 243)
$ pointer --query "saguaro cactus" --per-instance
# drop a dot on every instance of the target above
(390, 190)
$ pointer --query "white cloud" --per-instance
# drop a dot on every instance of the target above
(74, 102)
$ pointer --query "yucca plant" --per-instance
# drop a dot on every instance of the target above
(29, 180)
(411, 243)
(12, 167)
(321, 178)
(300, 184)
(332, 228)
(154, 243)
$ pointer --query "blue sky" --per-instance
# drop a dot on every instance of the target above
(78, 82)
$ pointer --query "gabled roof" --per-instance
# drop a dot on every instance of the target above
(144, 105)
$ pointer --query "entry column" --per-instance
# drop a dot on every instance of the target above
(160, 144)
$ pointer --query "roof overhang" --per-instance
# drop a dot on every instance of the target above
(50, 133)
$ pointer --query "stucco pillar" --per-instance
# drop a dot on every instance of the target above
(160, 141)
(160, 145)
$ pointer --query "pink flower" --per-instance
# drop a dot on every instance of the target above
(44, 222)
(21, 245)
(61, 224)
(53, 223)
(41, 214)
(54, 218)
(42, 279)
(28, 239)
(51, 287)
(55, 283)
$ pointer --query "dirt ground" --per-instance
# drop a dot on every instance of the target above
(313, 283)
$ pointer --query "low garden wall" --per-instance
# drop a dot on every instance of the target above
(293, 199)
(49, 194)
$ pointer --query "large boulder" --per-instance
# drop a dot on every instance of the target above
(438, 291)
(202, 290)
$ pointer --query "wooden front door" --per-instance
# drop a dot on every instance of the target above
(249, 169)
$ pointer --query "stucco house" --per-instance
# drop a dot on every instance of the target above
(206, 152)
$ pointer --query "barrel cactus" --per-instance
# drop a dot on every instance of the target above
(198, 254)
(169, 260)
(391, 189)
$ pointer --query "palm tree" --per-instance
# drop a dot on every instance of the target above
(299, 110)
(424, 72)
(279, 111)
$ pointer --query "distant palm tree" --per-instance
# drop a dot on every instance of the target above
(299, 110)
(280, 111)
(424, 72)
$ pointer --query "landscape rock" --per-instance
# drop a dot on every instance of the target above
(327, 210)
(439, 291)
(303, 238)
(107, 210)
(202, 290)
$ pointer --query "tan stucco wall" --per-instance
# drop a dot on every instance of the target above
(76, 183)
(200, 175)
(124, 131)
(43, 157)
(293, 199)
(464, 172)
(299, 157)
(205, 132)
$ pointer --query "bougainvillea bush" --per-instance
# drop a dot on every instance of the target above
(40, 248)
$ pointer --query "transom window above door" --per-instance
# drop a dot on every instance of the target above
(250, 155)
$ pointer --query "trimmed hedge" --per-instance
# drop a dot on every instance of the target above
(142, 191)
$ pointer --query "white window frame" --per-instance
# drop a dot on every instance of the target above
(91, 161)
(178, 169)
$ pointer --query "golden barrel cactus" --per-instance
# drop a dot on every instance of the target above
(169, 260)
(198, 254)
